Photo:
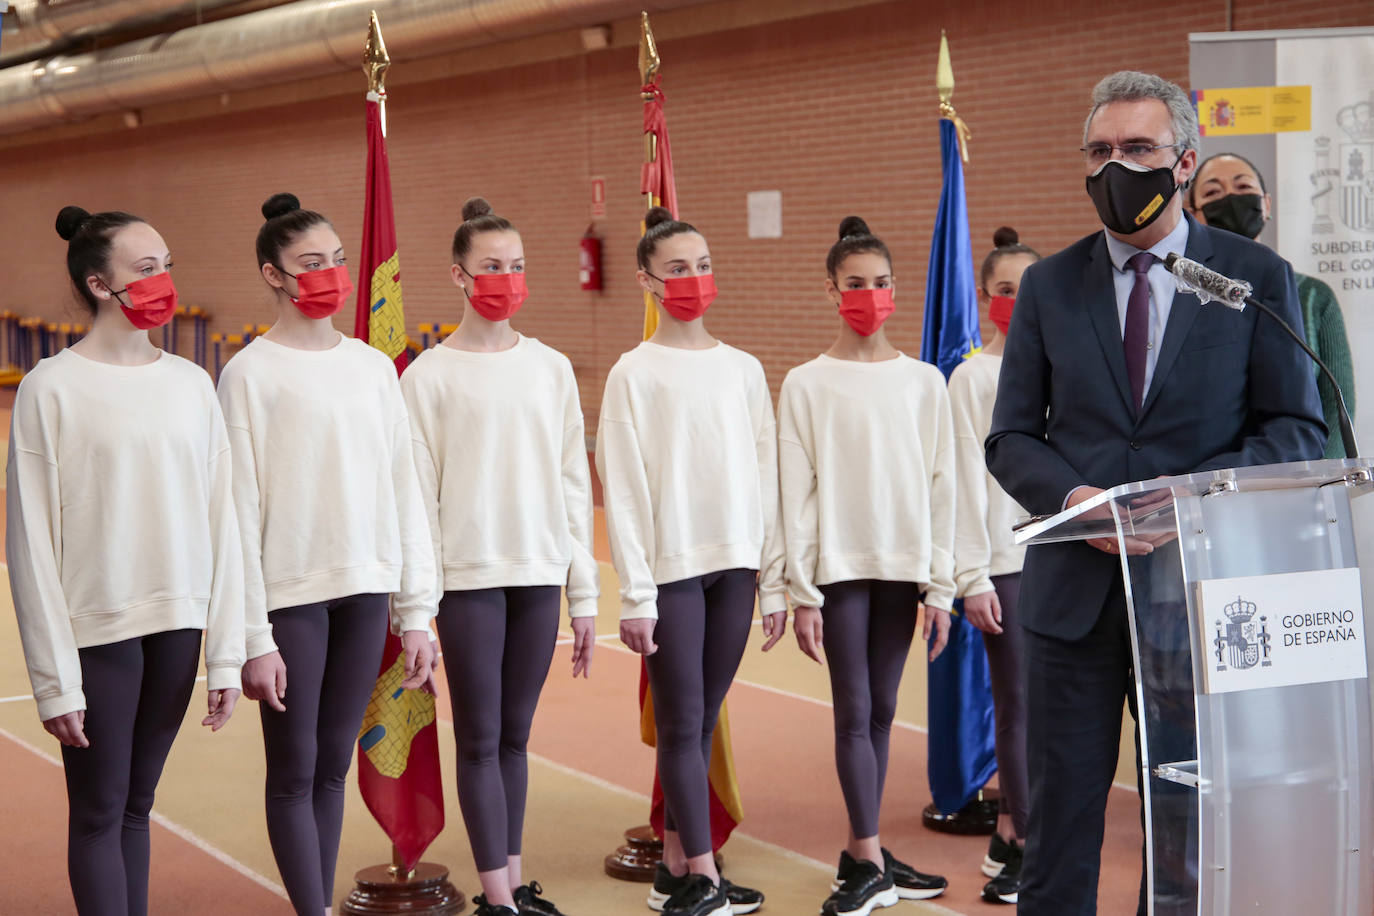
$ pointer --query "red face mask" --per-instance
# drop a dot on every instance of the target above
(496, 297)
(321, 293)
(999, 311)
(152, 301)
(866, 309)
(688, 298)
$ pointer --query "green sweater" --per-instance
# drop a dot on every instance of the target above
(1325, 331)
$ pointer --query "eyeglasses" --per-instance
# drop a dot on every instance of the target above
(1098, 153)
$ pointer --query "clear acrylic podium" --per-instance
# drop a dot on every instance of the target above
(1258, 799)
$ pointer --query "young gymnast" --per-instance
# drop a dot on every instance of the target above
(987, 561)
(335, 539)
(866, 462)
(122, 549)
(687, 454)
(502, 464)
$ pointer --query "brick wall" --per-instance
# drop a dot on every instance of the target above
(835, 110)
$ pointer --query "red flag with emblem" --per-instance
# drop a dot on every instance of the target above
(398, 744)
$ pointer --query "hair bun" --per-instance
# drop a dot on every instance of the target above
(280, 205)
(852, 225)
(474, 207)
(1004, 236)
(655, 216)
(69, 222)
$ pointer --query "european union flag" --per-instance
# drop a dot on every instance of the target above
(961, 750)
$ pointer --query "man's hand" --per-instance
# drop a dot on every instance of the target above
(1135, 546)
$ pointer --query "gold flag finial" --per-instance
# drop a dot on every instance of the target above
(375, 59)
(648, 51)
(944, 71)
(944, 83)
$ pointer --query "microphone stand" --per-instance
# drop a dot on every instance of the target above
(1352, 449)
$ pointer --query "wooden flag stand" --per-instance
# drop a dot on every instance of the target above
(388, 889)
(637, 857)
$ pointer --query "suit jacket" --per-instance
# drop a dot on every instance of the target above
(1229, 389)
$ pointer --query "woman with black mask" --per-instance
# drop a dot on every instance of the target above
(1228, 193)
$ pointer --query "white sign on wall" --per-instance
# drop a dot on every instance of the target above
(765, 214)
(1280, 630)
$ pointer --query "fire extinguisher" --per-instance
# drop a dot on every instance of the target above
(589, 260)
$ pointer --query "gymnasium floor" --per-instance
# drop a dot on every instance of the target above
(589, 778)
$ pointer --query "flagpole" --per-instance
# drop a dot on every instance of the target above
(637, 858)
(422, 890)
(649, 63)
(964, 656)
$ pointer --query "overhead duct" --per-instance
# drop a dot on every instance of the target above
(38, 27)
(294, 41)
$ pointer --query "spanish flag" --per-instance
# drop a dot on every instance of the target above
(727, 810)
(398, 744)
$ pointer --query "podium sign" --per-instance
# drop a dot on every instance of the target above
(1251, 663)
(1283, 629)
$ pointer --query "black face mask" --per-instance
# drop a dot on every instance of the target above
(1242, 214)
(1129, 197)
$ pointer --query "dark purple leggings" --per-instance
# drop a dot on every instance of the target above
(332, 650)
(136, 691)
(498, 644)
(867, 628)
(1006, 665)
(703, 627)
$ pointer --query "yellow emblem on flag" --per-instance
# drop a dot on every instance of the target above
(385, 325)
(393, 718)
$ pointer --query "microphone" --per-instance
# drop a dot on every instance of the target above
(1209, 286)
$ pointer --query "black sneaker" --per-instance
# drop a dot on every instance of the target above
(863, 888)
(698, 895)
(530, 899)
(491, 909)
(996, 859)
(910, 883)
(742, 899)
(1007, 885)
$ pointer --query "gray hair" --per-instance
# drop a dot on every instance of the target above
(1133, 86)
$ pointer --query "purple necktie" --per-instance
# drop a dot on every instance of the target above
(1137, 336)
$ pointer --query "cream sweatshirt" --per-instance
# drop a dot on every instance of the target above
(502, 462)
(687, 454)
(983, 542)
(866, 459)
(324, 483)
(120, 519)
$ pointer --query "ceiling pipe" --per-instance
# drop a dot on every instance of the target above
(293, 41)
(39, 27)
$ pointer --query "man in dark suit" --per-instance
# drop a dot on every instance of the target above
(1110, 375)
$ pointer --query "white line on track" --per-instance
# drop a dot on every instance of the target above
(200, 843)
